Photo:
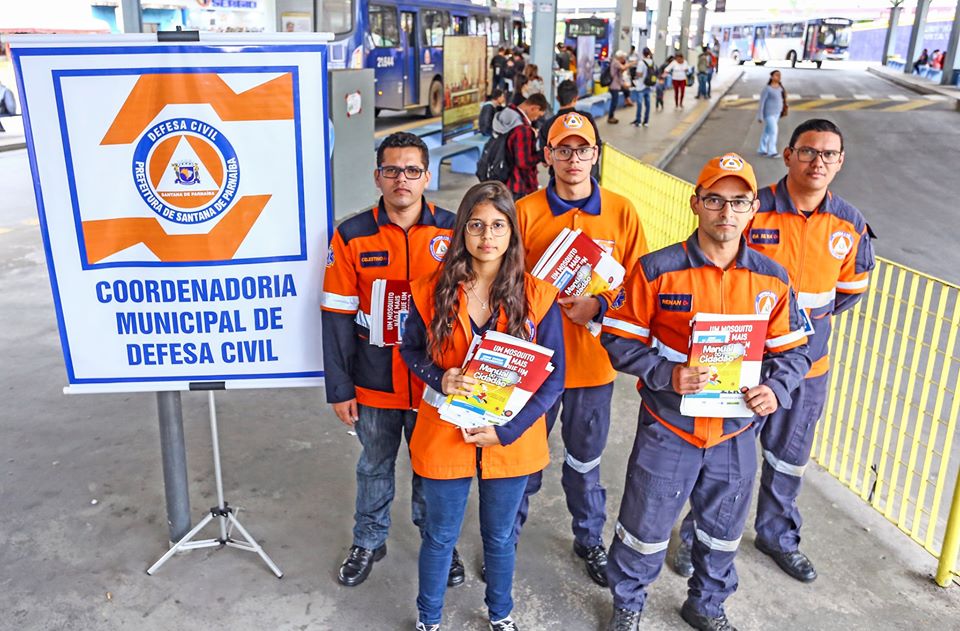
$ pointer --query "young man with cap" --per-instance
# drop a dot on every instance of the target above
(824, 243)
(710, 461)
(567, 95)
(574, 200)
(370, 387)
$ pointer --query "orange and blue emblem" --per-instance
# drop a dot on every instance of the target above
(765, 302)
(439, 246)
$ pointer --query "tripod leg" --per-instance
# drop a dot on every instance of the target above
(255, 546)
(186, 538)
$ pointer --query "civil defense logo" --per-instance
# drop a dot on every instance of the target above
(765, 302)
(841, 242)
(186, 170)
(439, 246)
(573, 121)
(731, 162)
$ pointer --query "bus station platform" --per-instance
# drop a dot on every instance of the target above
(83, 503)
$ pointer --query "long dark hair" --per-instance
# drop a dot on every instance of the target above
(770, 80)
(507, 291)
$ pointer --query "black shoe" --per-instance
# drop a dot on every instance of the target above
(507, 624)
(623, 620)
(795, 563)
(612, 121)
(457, 574)
(682, 563)
(356, 567)
(596, 558)
(704, 623)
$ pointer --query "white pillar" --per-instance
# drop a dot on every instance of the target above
(660, 41)
(916, 34)
(950, 60)
(543, 45)
(131, 16)
(889, 44)
(701, 24)
(624, 25)
(685, 29)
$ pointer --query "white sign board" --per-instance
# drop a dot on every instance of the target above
(184, 201)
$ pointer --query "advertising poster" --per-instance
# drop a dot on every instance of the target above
(464, 82)
(586, 63)
(184, 203)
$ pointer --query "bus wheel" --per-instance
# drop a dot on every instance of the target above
(376, 112)
(435, 104)
(792, 58)
(761, 63)
(819, 63)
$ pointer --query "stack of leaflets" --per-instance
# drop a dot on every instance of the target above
(508, 371)
(732, 347)
(389, 306)
(577, 266)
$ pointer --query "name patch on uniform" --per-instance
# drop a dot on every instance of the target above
(374, 259)
(676, 302)
(765, 236)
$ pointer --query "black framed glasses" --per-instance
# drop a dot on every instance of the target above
(565, 153)
(809, 154)
(477, 228)
(410, 172)
(716, 203)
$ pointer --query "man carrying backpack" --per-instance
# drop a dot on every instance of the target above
(515, 138)
(646, 79)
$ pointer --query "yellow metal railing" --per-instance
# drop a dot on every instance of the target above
(891, 414)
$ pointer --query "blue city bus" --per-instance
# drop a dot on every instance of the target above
(811, 40)
(599, 28)
(402, 41)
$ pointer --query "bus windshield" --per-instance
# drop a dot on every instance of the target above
(578, 29)
(835, 36)
(335, 16)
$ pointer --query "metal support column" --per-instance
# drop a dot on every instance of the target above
(544, 44)
(952, 58)
(890, 42)
(624, 25)
(132, 16)
(701, 25)
(916, 35)
(174, 456)
(685, 29)
(660, 43)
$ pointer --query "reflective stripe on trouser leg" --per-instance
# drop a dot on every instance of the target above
(660, 473)
(584, 425)
(720, 501)
(534, 480)
(787, 439)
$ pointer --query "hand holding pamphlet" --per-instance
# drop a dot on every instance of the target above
(731, 346)
(389, 307)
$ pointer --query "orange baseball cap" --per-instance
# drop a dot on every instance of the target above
(572, 124)
(727, 165)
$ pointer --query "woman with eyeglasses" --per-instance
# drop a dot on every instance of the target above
(481, 285)
(773, 104)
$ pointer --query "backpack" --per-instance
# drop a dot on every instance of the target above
(651, 77)
(606, 77)
(494, 163)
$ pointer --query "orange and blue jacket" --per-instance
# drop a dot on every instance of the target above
(828, 255)
(364, 248)
(650, 334)
(437, 448)
(612, 221)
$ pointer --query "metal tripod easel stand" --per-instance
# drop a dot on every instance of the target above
(222, 512)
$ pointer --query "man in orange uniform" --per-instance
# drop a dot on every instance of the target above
(369, 387)
(710, 461)
(574, 200)
(824, 243)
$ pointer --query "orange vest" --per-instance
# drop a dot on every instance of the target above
(437, 448)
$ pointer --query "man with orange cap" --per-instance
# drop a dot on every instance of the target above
(573, 200)
(710, 461)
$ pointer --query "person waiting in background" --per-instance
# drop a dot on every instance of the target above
(490, 108)
(562, 57)
(677, 70)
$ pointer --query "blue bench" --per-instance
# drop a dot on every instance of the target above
(430, 133)
(462, 154)
(597, 105)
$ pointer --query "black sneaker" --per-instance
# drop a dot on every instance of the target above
(682, 562)
(426, 627)
(356, 567)
(704, 623)
(795, 563)
(596, 561)
(457, 574)
(507, 624)
(623, 620)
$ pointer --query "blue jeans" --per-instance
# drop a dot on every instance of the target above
(642, 97)
(709, 83)
(768, 139)
(614, 101)
(703, 89)
(380, 431)
(446, 503)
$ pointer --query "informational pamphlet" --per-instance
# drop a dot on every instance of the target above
(389, 307)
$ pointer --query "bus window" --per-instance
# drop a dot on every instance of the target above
(472, 25)
(383, 26)
(459, 25)
(495, 33)
(798, 28)
(407, 26)
(518, 33)
(432, 28)
(737, 34)
(447, 23)
(335, 16)
(726, 35)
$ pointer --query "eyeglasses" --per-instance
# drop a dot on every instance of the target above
(410, 172)
(565, 153)
(477, 228)
(809, 154)
(715, 203)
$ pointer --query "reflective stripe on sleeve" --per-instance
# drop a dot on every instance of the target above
(721, 545)
(626, 327)
(580, 467)
(336, 301)
(854, 284)
(783, 467)
(637, 545)
(363, 319)
(808, 300)
(432, 397)
(666, 352)
(792, 336)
